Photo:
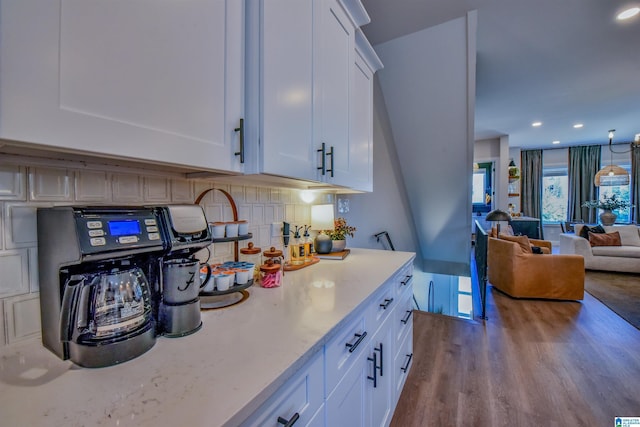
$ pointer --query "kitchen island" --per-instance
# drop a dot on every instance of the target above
(216, 377)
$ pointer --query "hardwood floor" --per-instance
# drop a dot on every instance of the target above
(532, 363)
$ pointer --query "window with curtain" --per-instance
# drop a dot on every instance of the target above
(555, 194)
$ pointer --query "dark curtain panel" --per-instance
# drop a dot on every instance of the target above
(531, 173)
(635, 185)
(584, 163)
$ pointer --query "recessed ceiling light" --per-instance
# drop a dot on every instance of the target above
(555, 142)
(629, 13)
(536, 124)
(578, 125)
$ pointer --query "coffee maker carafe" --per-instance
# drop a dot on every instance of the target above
(98, 273)
(103, 307)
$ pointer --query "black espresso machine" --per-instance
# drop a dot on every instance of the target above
(99, 277)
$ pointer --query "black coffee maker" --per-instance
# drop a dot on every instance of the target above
(99, 277)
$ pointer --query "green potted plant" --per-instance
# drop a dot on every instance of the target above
(607, 204)
(339, 234)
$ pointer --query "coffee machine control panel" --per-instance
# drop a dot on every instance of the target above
(116, 230)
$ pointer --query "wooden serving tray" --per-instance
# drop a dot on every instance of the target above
(335, 255)
(291, 267)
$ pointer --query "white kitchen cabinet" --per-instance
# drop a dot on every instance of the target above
(300, 400)
(360, 155)
(365, 364)
(280, 63)
(365, 395)
(301, 92)
(401, 366)
(333, 52)
(382, 402)
(347, 404)
(157, 81)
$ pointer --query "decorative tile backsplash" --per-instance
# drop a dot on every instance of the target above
(25, 188)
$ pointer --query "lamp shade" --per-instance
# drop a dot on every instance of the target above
(611, 175)
(498, 215)
(322, 217)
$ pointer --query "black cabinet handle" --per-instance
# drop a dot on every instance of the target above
(374, 378)
(289, 423)
(386, 303)
(381, 367)
(330, 153)
(241, 130)
(406, 365)
(406, 319)
(360, 337)
(406, 280)
(323, 163)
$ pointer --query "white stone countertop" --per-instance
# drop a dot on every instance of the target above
(215, 377)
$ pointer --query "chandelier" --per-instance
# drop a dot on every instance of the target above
(613, 174)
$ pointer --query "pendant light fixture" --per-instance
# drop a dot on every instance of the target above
(612, 174)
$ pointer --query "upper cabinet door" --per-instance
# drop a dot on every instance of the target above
(334, 49)
(365, 64)
(158, 81)
(285, 89)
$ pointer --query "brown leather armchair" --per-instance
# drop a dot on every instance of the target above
(527, 275)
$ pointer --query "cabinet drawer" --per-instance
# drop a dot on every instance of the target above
(302, 395)
(403, 318)
(404, 279)
(402, 364)
(345, 348)
(382, 305)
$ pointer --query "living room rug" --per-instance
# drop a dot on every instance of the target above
(618, 291)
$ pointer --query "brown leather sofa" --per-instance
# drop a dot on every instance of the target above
(527, 275)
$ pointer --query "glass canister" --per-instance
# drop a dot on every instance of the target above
(271, 274)
(253, 255)
(271, 270)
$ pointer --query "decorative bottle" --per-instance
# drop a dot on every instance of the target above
(308, 244)
(297, 248)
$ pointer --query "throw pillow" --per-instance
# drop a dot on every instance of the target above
(523, 241)
(606, 239)
(628, 234)
(585, 230)
(507, 231)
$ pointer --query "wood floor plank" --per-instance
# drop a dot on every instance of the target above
(532, 363)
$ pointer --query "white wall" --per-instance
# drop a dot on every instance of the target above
(428, 84)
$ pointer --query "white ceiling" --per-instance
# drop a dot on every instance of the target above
(557, 61)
